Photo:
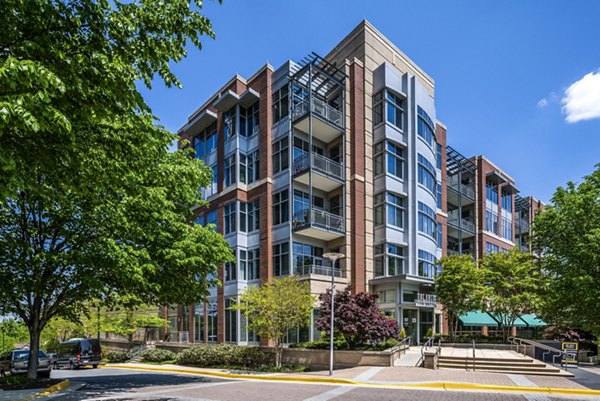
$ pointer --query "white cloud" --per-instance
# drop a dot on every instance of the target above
(542, 104)
(581, 100)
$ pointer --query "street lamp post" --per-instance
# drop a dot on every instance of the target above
(332, 256)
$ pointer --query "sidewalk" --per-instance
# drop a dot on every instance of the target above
(398, 377)
(37, 394)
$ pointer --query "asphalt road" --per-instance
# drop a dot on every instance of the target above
(108, 384)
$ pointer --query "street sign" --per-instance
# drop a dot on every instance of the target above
(569, 356)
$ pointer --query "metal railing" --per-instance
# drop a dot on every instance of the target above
(319, 163)
(320, 108)
(460, 187)
(464, 224)
(319, 270)
(523, 342)
(318, 218)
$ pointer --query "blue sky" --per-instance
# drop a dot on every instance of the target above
(509, 74)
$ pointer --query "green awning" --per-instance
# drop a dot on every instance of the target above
(518, 322)
(478, 319)
(532, 320)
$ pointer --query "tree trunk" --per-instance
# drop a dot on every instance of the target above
(278, 350)
(34, 347)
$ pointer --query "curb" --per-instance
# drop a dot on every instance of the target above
(52, 389)
(441, 386)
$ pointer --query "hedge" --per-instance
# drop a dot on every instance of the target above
(158, 355)
(224, 355)
(117, 357)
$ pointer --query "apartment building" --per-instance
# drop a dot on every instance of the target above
(336, 153)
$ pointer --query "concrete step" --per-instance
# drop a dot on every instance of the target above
(524, 365)
(533, 372)
(487, 359)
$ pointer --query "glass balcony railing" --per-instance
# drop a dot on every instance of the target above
(319, 108)
(318, 218)
(319, 163)
(460, 187)
(319, 270)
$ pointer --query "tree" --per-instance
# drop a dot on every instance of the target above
(275, 308)
(513, 282)
(568, 234)
(358, 318)
(13, 332)
(128, 320)
(96, 206)
(459, 288)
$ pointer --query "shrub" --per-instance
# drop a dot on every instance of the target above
(158, 355)
(223, 355)
(117, 357)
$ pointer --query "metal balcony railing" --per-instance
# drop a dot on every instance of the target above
(320, 108)
(321, 164)
(319, 270)
(460, 187)
(463, 224)
(318, 218)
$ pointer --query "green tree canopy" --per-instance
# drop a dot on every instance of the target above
(514, 283)
(568, 234)
(275, 308)
(459, 288)
(93, 204)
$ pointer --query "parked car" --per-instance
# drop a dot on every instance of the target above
(16, 362)
(78, 352)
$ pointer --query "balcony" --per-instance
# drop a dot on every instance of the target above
(463, 224)
(328, 125)
(461, 188)
(319, 270)
(329, 174)
(318, 224)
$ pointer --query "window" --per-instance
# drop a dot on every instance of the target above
(390, 205)
(439, 236)
(491, 221)
(427, 264)
(307, 255)
(491, 192)
(230, 321)
(249, 167)
(425, 126)
(280, 104)
(426, 174)
(386, 297)
(212, 218)
(491, 248)
(389, 260)
(301, 207)
(438, 157)
(230, 223)
(439, 195)
(250, 216)
(214, 186)
(205, 142)
(281, 259)
(229, 174)
(507, 231)
(229, 120)
(230, 271)
(199, 146)
(409, 296)
(281, 159)
(390, 159)
(211, 141)
(249, 264)
(213, 321)
(507, 201)
(249, 120)
(281, 207)
(394, 108)
(427, 223)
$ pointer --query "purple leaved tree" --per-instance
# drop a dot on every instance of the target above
(357, 318)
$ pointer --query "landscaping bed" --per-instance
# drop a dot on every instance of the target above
(22, 382)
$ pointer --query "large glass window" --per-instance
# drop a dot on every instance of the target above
(438, 156)
(307, 255)
(229, 120)
(491, 221)
(491, 192)
(389, 208)
(426, 174)
(426, 264)
(249, 167)
(389, 157)
(249, 216)
(230, 321)
(507, 231)
(280, 104)
(491, 248)
(229, 172)
(439, 195)
(230, 271)
(205, 142)
(249, 264)
(281, 158)
(212, 219)
(281, 259)
(386, 297)
(425, 127)
(249, 120)
(212, 321)
(427, 223)
(392, 105)
(281, 207)
(389, 260)
(229, 217)
(507, 201)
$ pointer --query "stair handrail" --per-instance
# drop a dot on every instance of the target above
(473, 355)
(426, 344)
(534, 344)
